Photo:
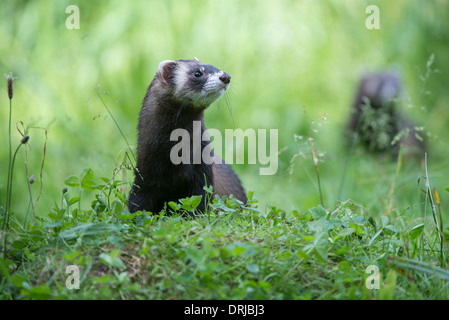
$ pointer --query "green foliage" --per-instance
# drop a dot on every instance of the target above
(377, 126)
(234, 251)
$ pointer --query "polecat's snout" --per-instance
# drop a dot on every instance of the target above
(225, 78)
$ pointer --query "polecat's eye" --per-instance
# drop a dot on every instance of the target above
(197, 74)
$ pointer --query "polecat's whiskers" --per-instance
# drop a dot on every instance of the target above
(227, 99)
(183, 105)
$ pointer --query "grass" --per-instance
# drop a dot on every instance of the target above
(331, 211)
(233, 252)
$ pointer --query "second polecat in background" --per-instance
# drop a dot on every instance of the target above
(176, 99)
(376, 119)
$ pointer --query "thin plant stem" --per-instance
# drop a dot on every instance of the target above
(29, 182)
(345, 168)
(8, 202)
(41, 171)
(9, 166)
(315, 163)
(317, 171)
(393, 183)
(116, 124)
(355, 138)
(30, 203)
(432, 207)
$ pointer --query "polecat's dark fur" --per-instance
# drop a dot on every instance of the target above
(178, 96)
(376, 119)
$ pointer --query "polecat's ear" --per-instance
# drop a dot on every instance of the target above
(165, 70)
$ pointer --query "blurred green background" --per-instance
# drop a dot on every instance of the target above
(291, 62)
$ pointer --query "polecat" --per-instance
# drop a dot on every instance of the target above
(376, 118)
(178, 96)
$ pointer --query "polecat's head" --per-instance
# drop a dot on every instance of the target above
(381, 89)
(193, 82)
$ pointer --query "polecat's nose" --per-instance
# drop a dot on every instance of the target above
(225, 78)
